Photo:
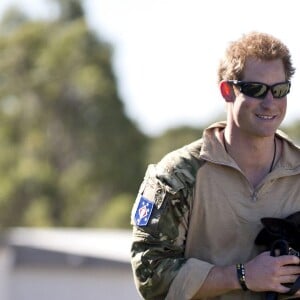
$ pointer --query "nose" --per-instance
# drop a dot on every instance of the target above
(268, 100)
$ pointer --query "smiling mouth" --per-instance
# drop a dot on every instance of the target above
(264, 117)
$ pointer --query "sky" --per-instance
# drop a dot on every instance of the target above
(166, 52)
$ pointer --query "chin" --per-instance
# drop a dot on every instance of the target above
(266, 133)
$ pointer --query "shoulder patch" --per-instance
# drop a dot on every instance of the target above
(143, 211)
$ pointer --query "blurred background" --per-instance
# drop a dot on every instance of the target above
(90, 93)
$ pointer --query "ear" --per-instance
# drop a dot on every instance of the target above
(227, 91)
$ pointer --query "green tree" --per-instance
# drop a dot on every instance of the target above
(293, 131)
(170, 140)
(67, 146)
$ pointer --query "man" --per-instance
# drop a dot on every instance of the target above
(198, 210)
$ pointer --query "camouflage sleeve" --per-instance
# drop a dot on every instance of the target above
(158, 244)
(160, 218)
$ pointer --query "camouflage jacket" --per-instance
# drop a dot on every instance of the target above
(195, 209)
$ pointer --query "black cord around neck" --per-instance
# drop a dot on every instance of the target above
(274, 154)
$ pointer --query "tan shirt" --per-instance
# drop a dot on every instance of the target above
(226, 211)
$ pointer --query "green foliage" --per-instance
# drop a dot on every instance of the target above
(69, 155)
(170, 140)
(67, 146)
(116, 213)
(69, 9)
(293, 131)
(12, 19)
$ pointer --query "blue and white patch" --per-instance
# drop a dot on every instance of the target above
(143, 211)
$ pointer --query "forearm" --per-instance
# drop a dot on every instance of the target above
(263, 273)
(219, 281)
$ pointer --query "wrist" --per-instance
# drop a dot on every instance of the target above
(241, 275)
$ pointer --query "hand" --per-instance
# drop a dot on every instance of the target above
(268, 273)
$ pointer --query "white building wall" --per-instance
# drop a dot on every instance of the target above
(6, 262)
(66, 264)
(71, 284)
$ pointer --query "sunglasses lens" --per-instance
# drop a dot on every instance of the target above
(280, 90)
(259, 90)
(255, 90)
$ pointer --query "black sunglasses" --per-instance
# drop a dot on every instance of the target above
(259, 90)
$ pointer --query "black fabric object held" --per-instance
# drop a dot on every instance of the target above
(281, 237)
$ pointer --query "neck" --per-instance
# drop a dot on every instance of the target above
(255, 158)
